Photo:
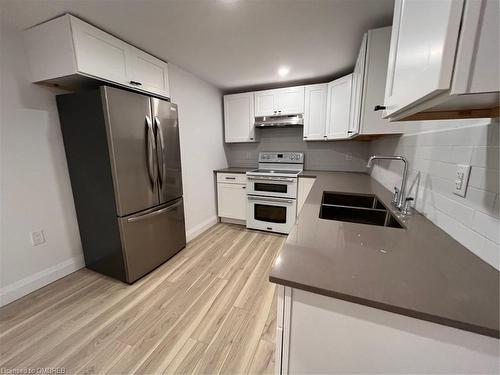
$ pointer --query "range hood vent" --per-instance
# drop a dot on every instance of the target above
(279, 121)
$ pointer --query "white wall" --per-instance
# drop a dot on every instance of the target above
(35, 191)
(35, 186)
(200, 121)
(434, 149)
(333, 156)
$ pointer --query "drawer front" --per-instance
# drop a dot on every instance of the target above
(232, 178)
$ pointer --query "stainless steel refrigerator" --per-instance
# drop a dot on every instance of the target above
(124, 163)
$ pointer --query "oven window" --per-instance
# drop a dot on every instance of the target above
(272, 188)
(271, 214)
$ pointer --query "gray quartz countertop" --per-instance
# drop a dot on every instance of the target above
(419, 271)
(234, 170)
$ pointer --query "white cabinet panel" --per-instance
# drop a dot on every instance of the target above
(338, 108)
(67, 50)
(147, 72)
(304, 188)
(232, 200)
(239, 118)
(422, 53)
(315, 112)
(98, 53)
(357, 90)
(284, 101)
(375, 47)
(264, 103)
(332, 336)
(477, 66)
(290, 100)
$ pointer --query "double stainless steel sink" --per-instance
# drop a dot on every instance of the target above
(357, 208)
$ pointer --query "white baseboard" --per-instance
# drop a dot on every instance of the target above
(31, 283)
(200, 228)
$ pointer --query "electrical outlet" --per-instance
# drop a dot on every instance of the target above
(348, 156)
(37, 238)
(461, 179)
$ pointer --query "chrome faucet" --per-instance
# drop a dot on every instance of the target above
(399, 194)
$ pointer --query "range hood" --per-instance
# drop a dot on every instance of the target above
(279, 121)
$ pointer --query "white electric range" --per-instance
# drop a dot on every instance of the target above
(272, 191)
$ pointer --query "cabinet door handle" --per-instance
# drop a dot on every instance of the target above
(379, 107)
(135, 83)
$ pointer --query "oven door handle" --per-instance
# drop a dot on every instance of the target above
(266, 199)
(270, 178)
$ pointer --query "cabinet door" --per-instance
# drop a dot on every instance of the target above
(98, 53)
(315, 112)
(232, 201)
(264, 103)
(239, 118)
(338, 108)
(147, 73)
(422, 54)
(477, 65)
(304, 188)
(357, 90)
(289, 101)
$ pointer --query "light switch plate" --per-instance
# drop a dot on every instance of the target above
(461, 179)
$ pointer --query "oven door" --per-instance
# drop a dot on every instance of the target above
(271, 214)
(284, 187)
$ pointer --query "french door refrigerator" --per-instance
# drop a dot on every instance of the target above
(123, 156)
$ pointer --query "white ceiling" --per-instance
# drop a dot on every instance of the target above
(229, 43)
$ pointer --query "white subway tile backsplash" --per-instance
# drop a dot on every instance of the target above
(472, 220)
(486, 157)
(485, 179)
(461, 154)
(454, 209)
(486, 225)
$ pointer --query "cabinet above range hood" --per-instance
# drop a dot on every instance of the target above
(279, 121)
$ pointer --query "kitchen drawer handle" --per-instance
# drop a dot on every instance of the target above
(230, 178)
(270, 178)
(279, 200)
(135, 83)
(154, 213)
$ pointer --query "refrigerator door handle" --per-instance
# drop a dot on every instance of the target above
(151, 150)
(154, 213)
(161, 160)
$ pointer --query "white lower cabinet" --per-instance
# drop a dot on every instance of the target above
(325, 335)
(231, 196)
(305, 186)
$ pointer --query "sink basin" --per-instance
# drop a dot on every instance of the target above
(357, 208)
(352, 200)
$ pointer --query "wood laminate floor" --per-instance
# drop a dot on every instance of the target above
(210, 309)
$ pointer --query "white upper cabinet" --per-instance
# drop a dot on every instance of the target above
(97, 53)
(422, 53)
(286, 101)
(369, 86)
(441, 48)
(264, 103)
(71, 53)
(315, 112)
(239, 118)
(147, 72)
(339, 108)
(357, 90)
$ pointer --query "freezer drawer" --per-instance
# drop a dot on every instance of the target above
(151, 237)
